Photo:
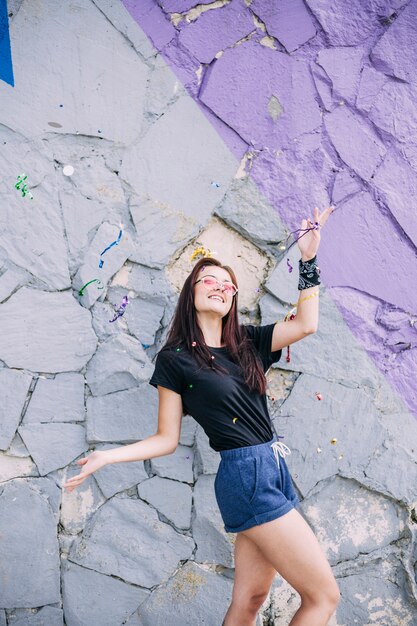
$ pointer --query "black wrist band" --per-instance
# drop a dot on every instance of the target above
(309, 274)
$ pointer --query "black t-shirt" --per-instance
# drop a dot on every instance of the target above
(215, 399)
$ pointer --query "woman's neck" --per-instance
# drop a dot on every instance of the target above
(211, 327)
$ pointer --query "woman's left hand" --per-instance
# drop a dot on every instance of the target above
(309, 242)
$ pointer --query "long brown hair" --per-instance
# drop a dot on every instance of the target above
(184, 330)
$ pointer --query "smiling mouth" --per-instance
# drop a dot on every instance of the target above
(216, 297)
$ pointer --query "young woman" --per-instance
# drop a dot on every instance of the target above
(213, 368)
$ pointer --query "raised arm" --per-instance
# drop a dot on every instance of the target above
(163, 442)
(306, 321)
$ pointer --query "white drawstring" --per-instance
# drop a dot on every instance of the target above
(280, 448)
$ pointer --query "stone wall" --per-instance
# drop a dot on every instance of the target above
(220, 125)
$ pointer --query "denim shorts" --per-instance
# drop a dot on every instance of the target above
(253, 485)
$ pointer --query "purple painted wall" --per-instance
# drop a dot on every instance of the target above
(323, 95)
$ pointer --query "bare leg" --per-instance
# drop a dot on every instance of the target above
(292, 548)
(253, 577)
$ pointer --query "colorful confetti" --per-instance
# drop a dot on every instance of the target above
(234, 420)
(319, 396)
(215, 184)
(68, 170)
(114, 243)
(190, 386)
(20, 183)
(95, 280)
(290, 267)
(121, 310)
(333, 441)
(200, 251)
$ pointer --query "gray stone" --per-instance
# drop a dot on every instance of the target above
(14, 467)
(3, 621)
(47, 615)
(355, 141)
(178, 465)
(271, 309)
(79, 505)
(25, 518)
(146, 282)
(11, 280)
(282, 283)
(136, 411)
(188, 430)
(102, 312)
(113, 260)
(313, 354)
(199, 597)
(154, 245)
(31, 320)
(375, 594)
(59, 399)
(80, 585)
(53, 445)
(117, 477)
(144, 319)
(207, 459)
(48, 489)
(161, 166)
(172, 498)
(343, 515)
(122, 539)
(93, 114)
(163, 88)
(246, 210)
(397, 483)
(344, 415)
(214, 544)
(120, 363)
(17, 447)
(14, 387)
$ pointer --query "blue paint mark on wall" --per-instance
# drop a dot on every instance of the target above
(6, 68)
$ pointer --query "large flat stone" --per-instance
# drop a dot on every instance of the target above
(27, 526)
(80, 585)
(32, 319)
(113, 260)
(161, 166)
(369, 276)
(59, 399)
(281, 282)
(14, 387)
(214, 544)
(199, 597)
(355, 141)
(12, 279)
(397, 183)
(342, 66)
(172, 498)
(207, 459)
(77, 506)
(16, 467)
(342, 515)
(344, 414)
(53, 445)
(51, 615)
(347, 24)
(117, 477)
(284, 78)
(400, 484)
(325, 351)
(122, 539)
(152, 20)
(136, 410)
(287, 20)
(216, 30)
(178, 465)
(118, 364)
(396, 51)
(53, 32)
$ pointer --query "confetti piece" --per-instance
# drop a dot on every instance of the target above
(319, 396)
(121, 310)
(20, 183)
(200, 251)
(114, 243)
(178, 350)
(68, 170)
(290, 267)
(95, 280)
(340, 456)
(319, 450)
(234, 420)
(333, 441)
(194, 343)
(145, 346)
(215, 184)
(190, 386)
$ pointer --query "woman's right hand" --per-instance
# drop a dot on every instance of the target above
(90, 463)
